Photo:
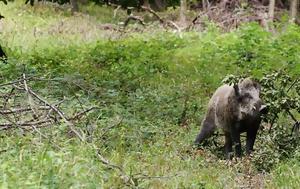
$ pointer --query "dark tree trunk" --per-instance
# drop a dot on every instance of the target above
(145, 3)
(4, 1)
(74, 4)
(160, 4)
(2, 55)
(30, 1)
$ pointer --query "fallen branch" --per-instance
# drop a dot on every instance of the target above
(20, 110)
(105, 130)
(116, 10)
(61, 115)
(136, 18)
(14, 82)
(154, 13)
(30, 100)
(127, 179)
(172, 24)
(165, 23)
(296, 127)
(56, 105)
(24, 124)
(80, 114)
(144, 176)
(295, 81)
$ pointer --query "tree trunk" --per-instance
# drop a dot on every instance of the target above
(271, 10)
(205, 5)
(83, 2)
(146, 3)
(293, 10)
(160, 4)
(74, 4)
(182, 12)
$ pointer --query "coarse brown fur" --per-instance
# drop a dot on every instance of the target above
(234, 109)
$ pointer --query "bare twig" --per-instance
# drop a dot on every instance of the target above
(24, 124)
(105, 130)
(296, 80)
(77, 116)
(8, 97)
(127, 179)
(154, 13)
(61, 115)
(20, 110)
(296, 127)
(292, 116)
(30, 100)
(161, 20)
(136, 18)
(172, 24)
(14, 82)
(272, 122)
(183, 119)
(144, 176)
(56, 105)
(116, 10)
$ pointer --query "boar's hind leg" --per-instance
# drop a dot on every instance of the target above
(207, 129)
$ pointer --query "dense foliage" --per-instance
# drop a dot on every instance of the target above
(152, 90)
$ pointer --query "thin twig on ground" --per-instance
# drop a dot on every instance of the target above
(56, 110)
(135, 18)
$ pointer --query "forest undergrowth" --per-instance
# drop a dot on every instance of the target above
(146, 93)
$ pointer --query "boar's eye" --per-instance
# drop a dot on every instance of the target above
(247, 95)
(244, 98)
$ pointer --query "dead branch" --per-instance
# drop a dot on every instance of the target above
(14, 82)
(23, 124)
(105, 130)
(116, 10)
(51, 112)
(165, 23)
(296, 127)
(135, 18)
(127, 179)
(48, 114)
(228, 19)
(173, 25)
(144, 176)
(60, 113)
(80, 114)
(30, 100)
(294, 82)
(154, 13)
(8, 97)
(20, 110)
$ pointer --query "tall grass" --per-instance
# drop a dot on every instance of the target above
(158, 83)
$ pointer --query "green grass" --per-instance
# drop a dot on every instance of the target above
(146, 80)
(286, 175)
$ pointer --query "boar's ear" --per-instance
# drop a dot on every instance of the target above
(257, 85)
(236, 90)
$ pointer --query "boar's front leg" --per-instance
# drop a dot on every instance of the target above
(228, 145)
(251, 136)
(235, 137)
